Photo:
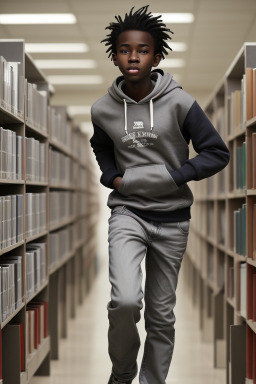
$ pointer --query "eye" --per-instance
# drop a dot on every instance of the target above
(144, 52)
(124, 51)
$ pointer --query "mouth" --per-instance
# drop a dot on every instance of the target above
(133, 70)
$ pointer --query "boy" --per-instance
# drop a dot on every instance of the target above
(142, 128)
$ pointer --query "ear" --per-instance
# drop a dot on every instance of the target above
(157, 59)
(114, 59)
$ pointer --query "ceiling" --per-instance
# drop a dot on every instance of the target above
(213, 39)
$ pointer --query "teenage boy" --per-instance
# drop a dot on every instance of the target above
(142, 129)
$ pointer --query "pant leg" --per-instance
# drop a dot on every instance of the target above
(163, 261)
(127, 249)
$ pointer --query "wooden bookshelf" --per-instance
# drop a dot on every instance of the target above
(61, 286)
(221, 257)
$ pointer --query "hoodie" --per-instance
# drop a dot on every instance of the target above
(146, 143)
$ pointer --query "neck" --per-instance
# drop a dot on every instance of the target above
(138, 91)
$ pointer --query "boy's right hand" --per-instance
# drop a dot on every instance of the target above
(117, 182)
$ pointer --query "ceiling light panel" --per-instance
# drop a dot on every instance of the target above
(38, 18)
(75, 79)
(66, 64)
(176, 17)
(56, 47)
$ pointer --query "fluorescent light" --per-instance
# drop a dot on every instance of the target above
(56, 47)
(75, 79)
(178, 47)
(37, 18)
(79, 109)
(65, 64)
(176, 17)
(172, 63)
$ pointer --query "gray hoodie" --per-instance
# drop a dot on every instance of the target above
(144, 142)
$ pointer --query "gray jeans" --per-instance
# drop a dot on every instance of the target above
(130, 240)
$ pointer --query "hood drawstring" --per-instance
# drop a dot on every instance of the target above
(151, 111)
(125, 117)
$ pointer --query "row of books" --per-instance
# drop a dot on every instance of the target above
(253, 228)
(80, 229)
(231, 282)
(37, 107)
(240, 230)
(240, 167)
(243, 289)
(210, 262)
(250, 355)
(79, 146)
(253, 161)
(36, 325)
(82, 178)
(10, 155)
(35, 160)
(11, 285)
(11, 223)
(222, 227)
(62, 206)
(60, 244)
(35, 267)
(61, 167)
(59, 127)
(242, 103)
(35, 214)
(11, 87)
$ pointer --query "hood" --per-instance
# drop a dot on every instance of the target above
(163, 84)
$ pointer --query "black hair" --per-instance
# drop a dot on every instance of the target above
(142, 21)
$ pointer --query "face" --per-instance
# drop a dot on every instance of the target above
(135, 55)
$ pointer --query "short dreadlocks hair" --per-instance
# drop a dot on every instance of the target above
(142, 21)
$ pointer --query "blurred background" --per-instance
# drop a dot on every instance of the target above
(206, 39)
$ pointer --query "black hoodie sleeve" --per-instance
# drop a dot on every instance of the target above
(213, 155)
(103, 147)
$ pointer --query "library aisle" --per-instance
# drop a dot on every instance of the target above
(83, 355)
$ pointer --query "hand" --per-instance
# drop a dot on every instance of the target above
(117, 182)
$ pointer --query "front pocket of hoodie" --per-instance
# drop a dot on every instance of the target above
(152, 181)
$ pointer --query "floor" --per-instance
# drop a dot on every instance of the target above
(84, 357)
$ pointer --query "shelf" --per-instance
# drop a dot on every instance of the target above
(61, 224)
(37, 183)
(63, 187)
(43, 286)
(54, 268)
(252, 325)
(7, 117)
(11, 247)
(4, 323)
(237, 194)
(54, 143)
(251, 192)
(33, 130)
(10, 181)
(251, 122)
(37, 358)
(35, 237)
(251, 262)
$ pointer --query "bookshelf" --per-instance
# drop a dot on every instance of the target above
(48, 210)
(221, 255)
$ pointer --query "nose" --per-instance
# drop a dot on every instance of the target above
(134, 57)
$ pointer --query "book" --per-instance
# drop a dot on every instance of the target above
(253, 160)
(254, 92)
(254, 231)
(249, 93)
(243, 286)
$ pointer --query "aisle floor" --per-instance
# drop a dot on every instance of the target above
(84, 358)
(83, 355)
